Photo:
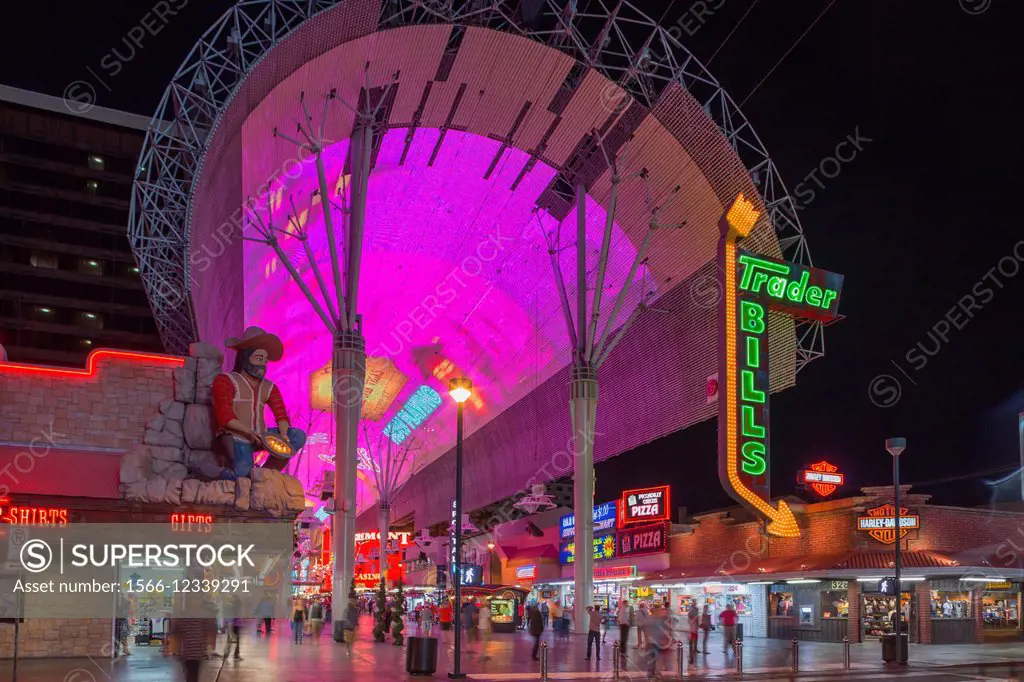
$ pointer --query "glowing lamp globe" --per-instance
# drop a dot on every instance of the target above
(460, 389)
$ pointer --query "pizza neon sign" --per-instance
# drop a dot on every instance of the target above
(645, 505)
(823, 478)
(751, 286)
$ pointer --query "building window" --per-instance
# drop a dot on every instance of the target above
(88, 266)
(835, 604)
(47, 261)
(43, 313)
(91, 320)
(96, 162)
(951, 604)
(92, 187)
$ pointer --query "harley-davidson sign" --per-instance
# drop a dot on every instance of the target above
(823, 478)
(643, 540)
(880, 523)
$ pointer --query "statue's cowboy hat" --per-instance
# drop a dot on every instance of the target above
(256, 337)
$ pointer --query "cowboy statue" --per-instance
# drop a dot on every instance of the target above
(239, 399)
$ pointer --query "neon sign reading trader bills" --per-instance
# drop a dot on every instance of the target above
(751, 286)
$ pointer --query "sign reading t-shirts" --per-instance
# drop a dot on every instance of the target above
(645, 505)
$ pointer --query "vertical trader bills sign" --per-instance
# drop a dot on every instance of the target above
(751, 286)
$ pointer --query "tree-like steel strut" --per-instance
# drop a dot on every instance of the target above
(592, 340)
(338, 308)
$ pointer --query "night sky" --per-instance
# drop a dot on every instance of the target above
(918, 219)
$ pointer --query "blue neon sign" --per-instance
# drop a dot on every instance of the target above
(421, 404)
(605, 517)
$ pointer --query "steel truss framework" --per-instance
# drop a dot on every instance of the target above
(614, 38)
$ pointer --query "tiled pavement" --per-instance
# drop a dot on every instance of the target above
(507, 657)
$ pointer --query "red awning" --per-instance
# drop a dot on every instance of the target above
(62, 472)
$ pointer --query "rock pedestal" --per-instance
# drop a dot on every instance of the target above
(174, 462)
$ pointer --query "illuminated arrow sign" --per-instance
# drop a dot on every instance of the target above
(751, 285)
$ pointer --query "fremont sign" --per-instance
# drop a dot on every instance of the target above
(751, 286)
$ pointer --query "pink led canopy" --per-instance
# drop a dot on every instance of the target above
(456, 280)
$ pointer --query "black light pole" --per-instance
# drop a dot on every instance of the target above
(896, 446)
(459, 390)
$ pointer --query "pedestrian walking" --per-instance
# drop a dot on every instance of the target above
(426, 619)
(483, 626)
(728, 620)
(657, 636)
(468, 618)
(705, 626)
(536, 619)
(693, 626)
(265, 612)
(298, 619)
(350, 624)
(122, 631)
(316, 620)
(593, 630)
(626, 617)
(194, 636)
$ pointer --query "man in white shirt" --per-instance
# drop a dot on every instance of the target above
(625, 617)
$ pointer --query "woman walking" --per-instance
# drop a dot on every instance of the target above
(705, 626)
(298, 619)
(316, 619)
(484, 628)
(350, 624)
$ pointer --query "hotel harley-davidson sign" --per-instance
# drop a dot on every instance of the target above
(880, 523)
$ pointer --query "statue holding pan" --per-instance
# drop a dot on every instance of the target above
(239, 401)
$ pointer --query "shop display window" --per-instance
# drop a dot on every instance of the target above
(740, 602)
(834, 604)
(999, 610)
(877, 614)
(951, 604)
(782, 604)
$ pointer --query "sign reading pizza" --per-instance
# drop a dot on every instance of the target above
(753, 286)
(645, 505)
(651, 539)
(880, 523)
(823, 478)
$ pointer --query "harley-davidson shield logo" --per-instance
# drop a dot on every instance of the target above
(880, 523)
(823, 478)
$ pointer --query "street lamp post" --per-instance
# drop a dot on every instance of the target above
(896, 446)
(459, 390)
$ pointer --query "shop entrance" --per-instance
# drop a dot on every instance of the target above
(1000, 611)
(878, 611)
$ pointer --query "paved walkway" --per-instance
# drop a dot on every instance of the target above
(507, 657)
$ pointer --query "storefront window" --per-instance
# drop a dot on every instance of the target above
(782, 604)
(877, 613)
(834, 604)
(999, 609)
(951, 604)
(740, 602)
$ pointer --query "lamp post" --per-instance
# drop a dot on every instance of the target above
(896, 446)
(459, 390)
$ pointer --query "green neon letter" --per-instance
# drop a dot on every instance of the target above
(748, 427)
(795, 290)
(754, 462)
(826, 301)
(748, 393)
(814, 296)
(753, 351)
(751, 317)
(752, 264)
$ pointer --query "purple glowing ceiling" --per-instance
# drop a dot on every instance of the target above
(456, 279)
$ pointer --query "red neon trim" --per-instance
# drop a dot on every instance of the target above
(622, 507)
(91, 363)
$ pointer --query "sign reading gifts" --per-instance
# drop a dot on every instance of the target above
(645, 505)
(605, 518)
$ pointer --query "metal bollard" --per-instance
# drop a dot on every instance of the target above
(544, 661)
(846, 653)
(680, 656)
(739, 656)
(615, 661)
(796, 655)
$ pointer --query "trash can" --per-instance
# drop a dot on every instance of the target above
(889, 654)
(421, 655)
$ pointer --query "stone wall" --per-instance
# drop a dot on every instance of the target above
(58, 638)
(107, 407)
